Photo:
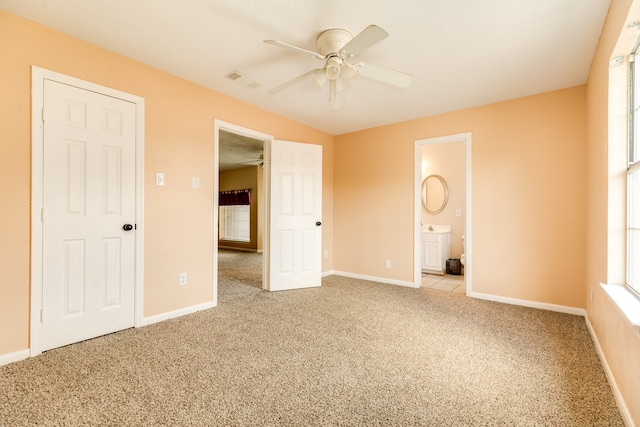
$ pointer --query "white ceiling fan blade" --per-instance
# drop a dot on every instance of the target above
(292, 81)
(254, 158)
(294, 48)
(368, 37)
(385, 75)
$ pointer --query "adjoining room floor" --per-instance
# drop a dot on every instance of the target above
(448, 282)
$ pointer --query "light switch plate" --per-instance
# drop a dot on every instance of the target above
(160, 179)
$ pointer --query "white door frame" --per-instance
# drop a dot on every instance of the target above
(417, 204)
(38, 76)
(250, 133)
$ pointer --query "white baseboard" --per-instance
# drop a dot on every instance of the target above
(527, 303)
(177, 313)
(373, 278)
(624, 411)
(489, 297)
(17, 356)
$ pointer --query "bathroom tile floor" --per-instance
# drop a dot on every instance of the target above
(448, 282)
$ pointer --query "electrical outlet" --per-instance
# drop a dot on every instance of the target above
(182, 279)
(388, 263)
(326, 254)
(458, 212)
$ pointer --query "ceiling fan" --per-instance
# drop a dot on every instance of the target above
(338, 48)
(258, 161)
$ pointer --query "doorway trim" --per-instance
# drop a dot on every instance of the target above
(219, 125)
(417, 204)
(38, 76)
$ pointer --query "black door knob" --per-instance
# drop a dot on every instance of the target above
(318, 223)
(127, 227)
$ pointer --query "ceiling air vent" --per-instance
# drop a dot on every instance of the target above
(242, 80)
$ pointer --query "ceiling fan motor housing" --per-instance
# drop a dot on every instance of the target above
(332, 41)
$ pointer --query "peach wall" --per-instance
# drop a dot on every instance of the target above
(528, 196)
(179, 120)
(448, 161)
(619, 343)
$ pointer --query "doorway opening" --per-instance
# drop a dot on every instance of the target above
(240, 238)
(462, 226)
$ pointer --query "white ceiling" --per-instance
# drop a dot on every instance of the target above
(462, 53)
(238, 151)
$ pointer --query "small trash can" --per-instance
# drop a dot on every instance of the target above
(454, 266)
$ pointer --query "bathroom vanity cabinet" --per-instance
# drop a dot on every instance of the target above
(435, 251)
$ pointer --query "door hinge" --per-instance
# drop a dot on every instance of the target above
(42, 115)
(42, 315)
(43, 216)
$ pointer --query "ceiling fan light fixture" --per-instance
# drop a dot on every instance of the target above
(320, 77)
(633, 28)
(332, 70)
(349, 73)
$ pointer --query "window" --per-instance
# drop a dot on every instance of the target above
(235, 223)
(235, 215)
(633, 180)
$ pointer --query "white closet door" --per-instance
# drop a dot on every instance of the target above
(89, 209)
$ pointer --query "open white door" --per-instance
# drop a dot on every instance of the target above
(295, 216)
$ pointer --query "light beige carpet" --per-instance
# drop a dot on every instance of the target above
(351, 353)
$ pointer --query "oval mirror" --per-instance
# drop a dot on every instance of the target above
(434, 194)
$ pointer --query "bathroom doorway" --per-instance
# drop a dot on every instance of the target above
(433, 157)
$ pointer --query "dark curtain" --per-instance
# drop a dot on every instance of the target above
(235, 197)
